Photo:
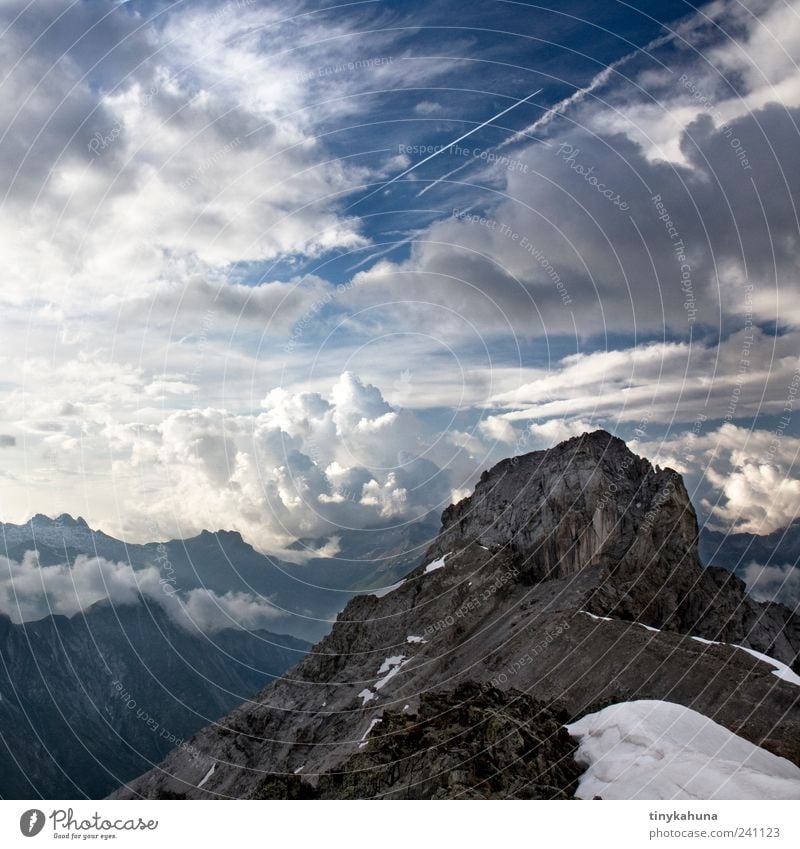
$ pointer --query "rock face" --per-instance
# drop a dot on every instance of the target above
(571, 578)
(473, 742)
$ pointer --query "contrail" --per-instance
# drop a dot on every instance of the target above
(447, 147)
(448, 174)
(596, 82)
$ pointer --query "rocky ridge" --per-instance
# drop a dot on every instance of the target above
(571, 577)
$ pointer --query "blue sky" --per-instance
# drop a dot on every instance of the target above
(236, 296)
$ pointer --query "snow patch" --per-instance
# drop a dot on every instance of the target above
(413, 639)
(658, 750)
(298, 770)
(207, 776)
(598, 618)
(386, 590)
(389, 668)
(366, 695)
(363, 742)
(780, 670)
(436, 564)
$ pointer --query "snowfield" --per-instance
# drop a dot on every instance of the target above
(659, 750)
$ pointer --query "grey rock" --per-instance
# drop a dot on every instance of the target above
(546, 544)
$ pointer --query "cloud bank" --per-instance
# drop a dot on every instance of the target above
(29, 592)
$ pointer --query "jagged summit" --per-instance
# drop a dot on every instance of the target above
(64, 519)
(539, 582)
(581, 503)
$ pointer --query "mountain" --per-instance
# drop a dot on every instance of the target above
(777, 556)
(88, 701)
(568, 582)
(309, 594)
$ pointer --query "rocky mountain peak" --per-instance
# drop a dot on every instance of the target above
(588, 501)
(540, 582)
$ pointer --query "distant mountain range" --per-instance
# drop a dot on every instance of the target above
(561, 607)
(307, 595)
(89, 700)
(93, 699)
(768, 563)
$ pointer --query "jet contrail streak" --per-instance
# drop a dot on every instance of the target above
(447, 146)
(598, 80)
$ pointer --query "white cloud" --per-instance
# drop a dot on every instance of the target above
(779, 583)
(29, 592)
(745, 479)
(304, 466)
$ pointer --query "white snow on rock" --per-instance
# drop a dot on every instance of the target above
(597, 618)
(298, 770)
(389, 668)
(436, 564)
(386, 590)
(780, 670)
(363, 742)
(412, 639)
(659, 750)
(207, 776)
(367, 695)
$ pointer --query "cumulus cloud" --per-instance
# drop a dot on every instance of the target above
(745, 479)
(29, 592)
(306, 465)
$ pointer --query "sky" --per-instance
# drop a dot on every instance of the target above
(289, 268)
